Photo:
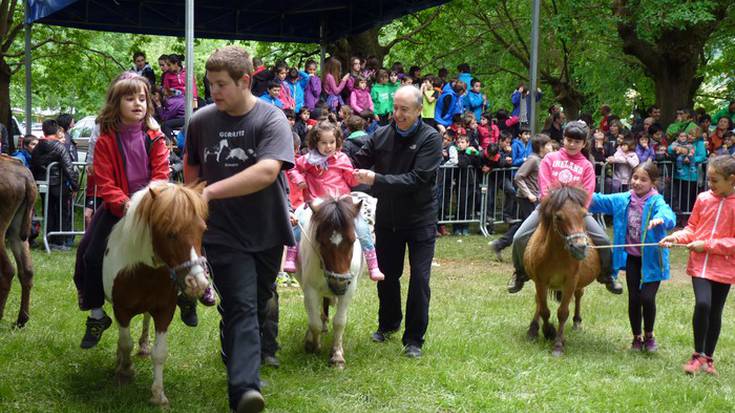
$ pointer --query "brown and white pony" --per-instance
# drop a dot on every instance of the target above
(330, 261)
(557, 258)
(17, 196)
(153, 253)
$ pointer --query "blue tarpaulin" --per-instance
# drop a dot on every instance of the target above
(264, 20)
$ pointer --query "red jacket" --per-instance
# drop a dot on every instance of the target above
(109, 170)
(712, 221)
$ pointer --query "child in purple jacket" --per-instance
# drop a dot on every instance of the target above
(313, 89)
(360, 99)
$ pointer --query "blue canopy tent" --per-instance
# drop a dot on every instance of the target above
(304, 21)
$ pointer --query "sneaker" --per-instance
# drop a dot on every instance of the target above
(188, 310)
(709, 366)
(95, 328)
(251, 402)
(696, 363)
(611, 284)
(270, 361)
(637, 344)
(412, 351)
(380, 336)
(283, 278)
(650, 344)
(496, 249)
(516, 283)
(58, 247)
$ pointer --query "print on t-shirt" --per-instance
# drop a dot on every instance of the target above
(226, 156)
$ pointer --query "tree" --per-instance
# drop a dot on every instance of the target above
(668, 37)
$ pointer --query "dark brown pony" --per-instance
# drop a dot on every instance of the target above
(557, 258)
(17, 196)
(153, 253)
(330, 262)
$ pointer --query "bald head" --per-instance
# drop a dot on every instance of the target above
(410, 93)
(407, 104)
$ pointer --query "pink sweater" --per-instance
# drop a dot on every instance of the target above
(360, 100)
(560, 168)
(178, 81)
(331, 87)
(336, 180)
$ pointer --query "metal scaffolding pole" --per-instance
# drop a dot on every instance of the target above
(28, 106)
(534, 63)
(189, 61)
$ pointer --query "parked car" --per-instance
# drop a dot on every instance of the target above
(82, 131)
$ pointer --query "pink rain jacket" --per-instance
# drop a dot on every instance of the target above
(336, 180)
(712, 221)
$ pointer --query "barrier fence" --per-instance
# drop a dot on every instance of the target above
(464, 196)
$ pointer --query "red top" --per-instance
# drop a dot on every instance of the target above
(109, 170)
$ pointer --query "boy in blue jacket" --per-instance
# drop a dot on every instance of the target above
(639, 216)
(522, 147)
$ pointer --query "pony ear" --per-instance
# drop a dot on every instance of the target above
(198, 186)
(152, 192)
(315, 204)
(357, 206)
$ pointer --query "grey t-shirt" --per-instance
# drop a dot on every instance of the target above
(223, 145)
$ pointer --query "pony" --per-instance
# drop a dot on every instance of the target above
(17, 196)
(153, 253)
(566, 270)
(330, 262)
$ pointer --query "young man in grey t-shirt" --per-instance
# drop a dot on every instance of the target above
(239, 146)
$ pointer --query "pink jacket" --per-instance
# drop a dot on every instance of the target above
(625, 162)
(336, 180)
(560, 168)
(178, 81)
(712, 221)
(360, 100)
(285, 97)
(330, 85)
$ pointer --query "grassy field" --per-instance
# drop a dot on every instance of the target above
(476, 356)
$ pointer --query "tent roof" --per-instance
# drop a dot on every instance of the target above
(263, 20)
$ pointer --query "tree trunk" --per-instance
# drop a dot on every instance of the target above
(362, 44)
(676, 86)
(568, 96)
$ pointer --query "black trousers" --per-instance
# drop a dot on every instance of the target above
(244, 282)
(641, 297)
(269, 325)
(59, 216)
(390, 246)
(710, 297)
(93, 253)
(525, 208)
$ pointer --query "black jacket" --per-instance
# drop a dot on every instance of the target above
(405, 175)
(48, 151)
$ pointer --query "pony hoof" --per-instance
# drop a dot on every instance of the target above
(549, 333)
(144, 351)
(161, 401)
(21, 322)
(124, 377)
(339, 365)
(558, 352)
(310, 347)
(577, 325)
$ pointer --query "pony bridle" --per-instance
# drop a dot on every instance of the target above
(337, 283)
(195, 266)
(569, 239)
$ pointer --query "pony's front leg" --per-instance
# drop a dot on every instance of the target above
(313, 302)
(124, 370)
(562, 314)
(339, 321)
(160, 352)
(578, 309)
(543, 310)
(144, 344)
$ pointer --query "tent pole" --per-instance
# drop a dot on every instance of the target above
(322, 44)
(534, 64)
(28, 106)
(189, 61)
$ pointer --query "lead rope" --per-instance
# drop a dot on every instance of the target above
(645, 244)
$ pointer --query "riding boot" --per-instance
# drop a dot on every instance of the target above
(611, 283)
(372, 261)
(292, 257)
(517, 281)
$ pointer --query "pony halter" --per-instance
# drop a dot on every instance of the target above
(568, 239)
(188, 265)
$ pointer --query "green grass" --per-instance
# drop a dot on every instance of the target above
(476, 356)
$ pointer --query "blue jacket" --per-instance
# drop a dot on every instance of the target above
(466, 77)
(655, 259)
(270, 99)
(515, 98)
(473, 102)
(520, 151)
(447, 106)
(23, 156)
(690, 171)
(297, 90)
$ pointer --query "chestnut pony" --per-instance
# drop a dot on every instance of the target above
(566, 269)
(153, 253)
(17, 196)
(330, 262)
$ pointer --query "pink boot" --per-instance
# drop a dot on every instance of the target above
(292, 256)
(372, 262)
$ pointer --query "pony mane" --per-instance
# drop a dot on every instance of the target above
(558, 196)
(333, 215)
(169, 208)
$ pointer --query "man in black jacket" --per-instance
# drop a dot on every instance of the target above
(405, 158)
(62, 181)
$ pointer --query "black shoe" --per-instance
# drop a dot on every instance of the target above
(516, 283)
(251, 402)
(95, 328)
(270, 361)
(380, 335)
(188, 311)
(611, 284)
(496, 250)
(412, 351)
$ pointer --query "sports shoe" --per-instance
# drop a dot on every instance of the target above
(380, 335)
(709, 366)
(496, 249)
(649, 344)
(611, 284)
(270, 361)
(696, 363)
(412, 351)
(637, 344)
(251, 402)
(516, 282)
(292, 256)
(188, 310)
(95, 328)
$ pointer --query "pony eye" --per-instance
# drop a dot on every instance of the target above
(171, 235)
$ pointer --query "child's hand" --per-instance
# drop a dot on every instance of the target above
(532, 198)
(696, 246)
(610, 158)
(667, 241)
(485, 169)
(293, 219)
(655, 222)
